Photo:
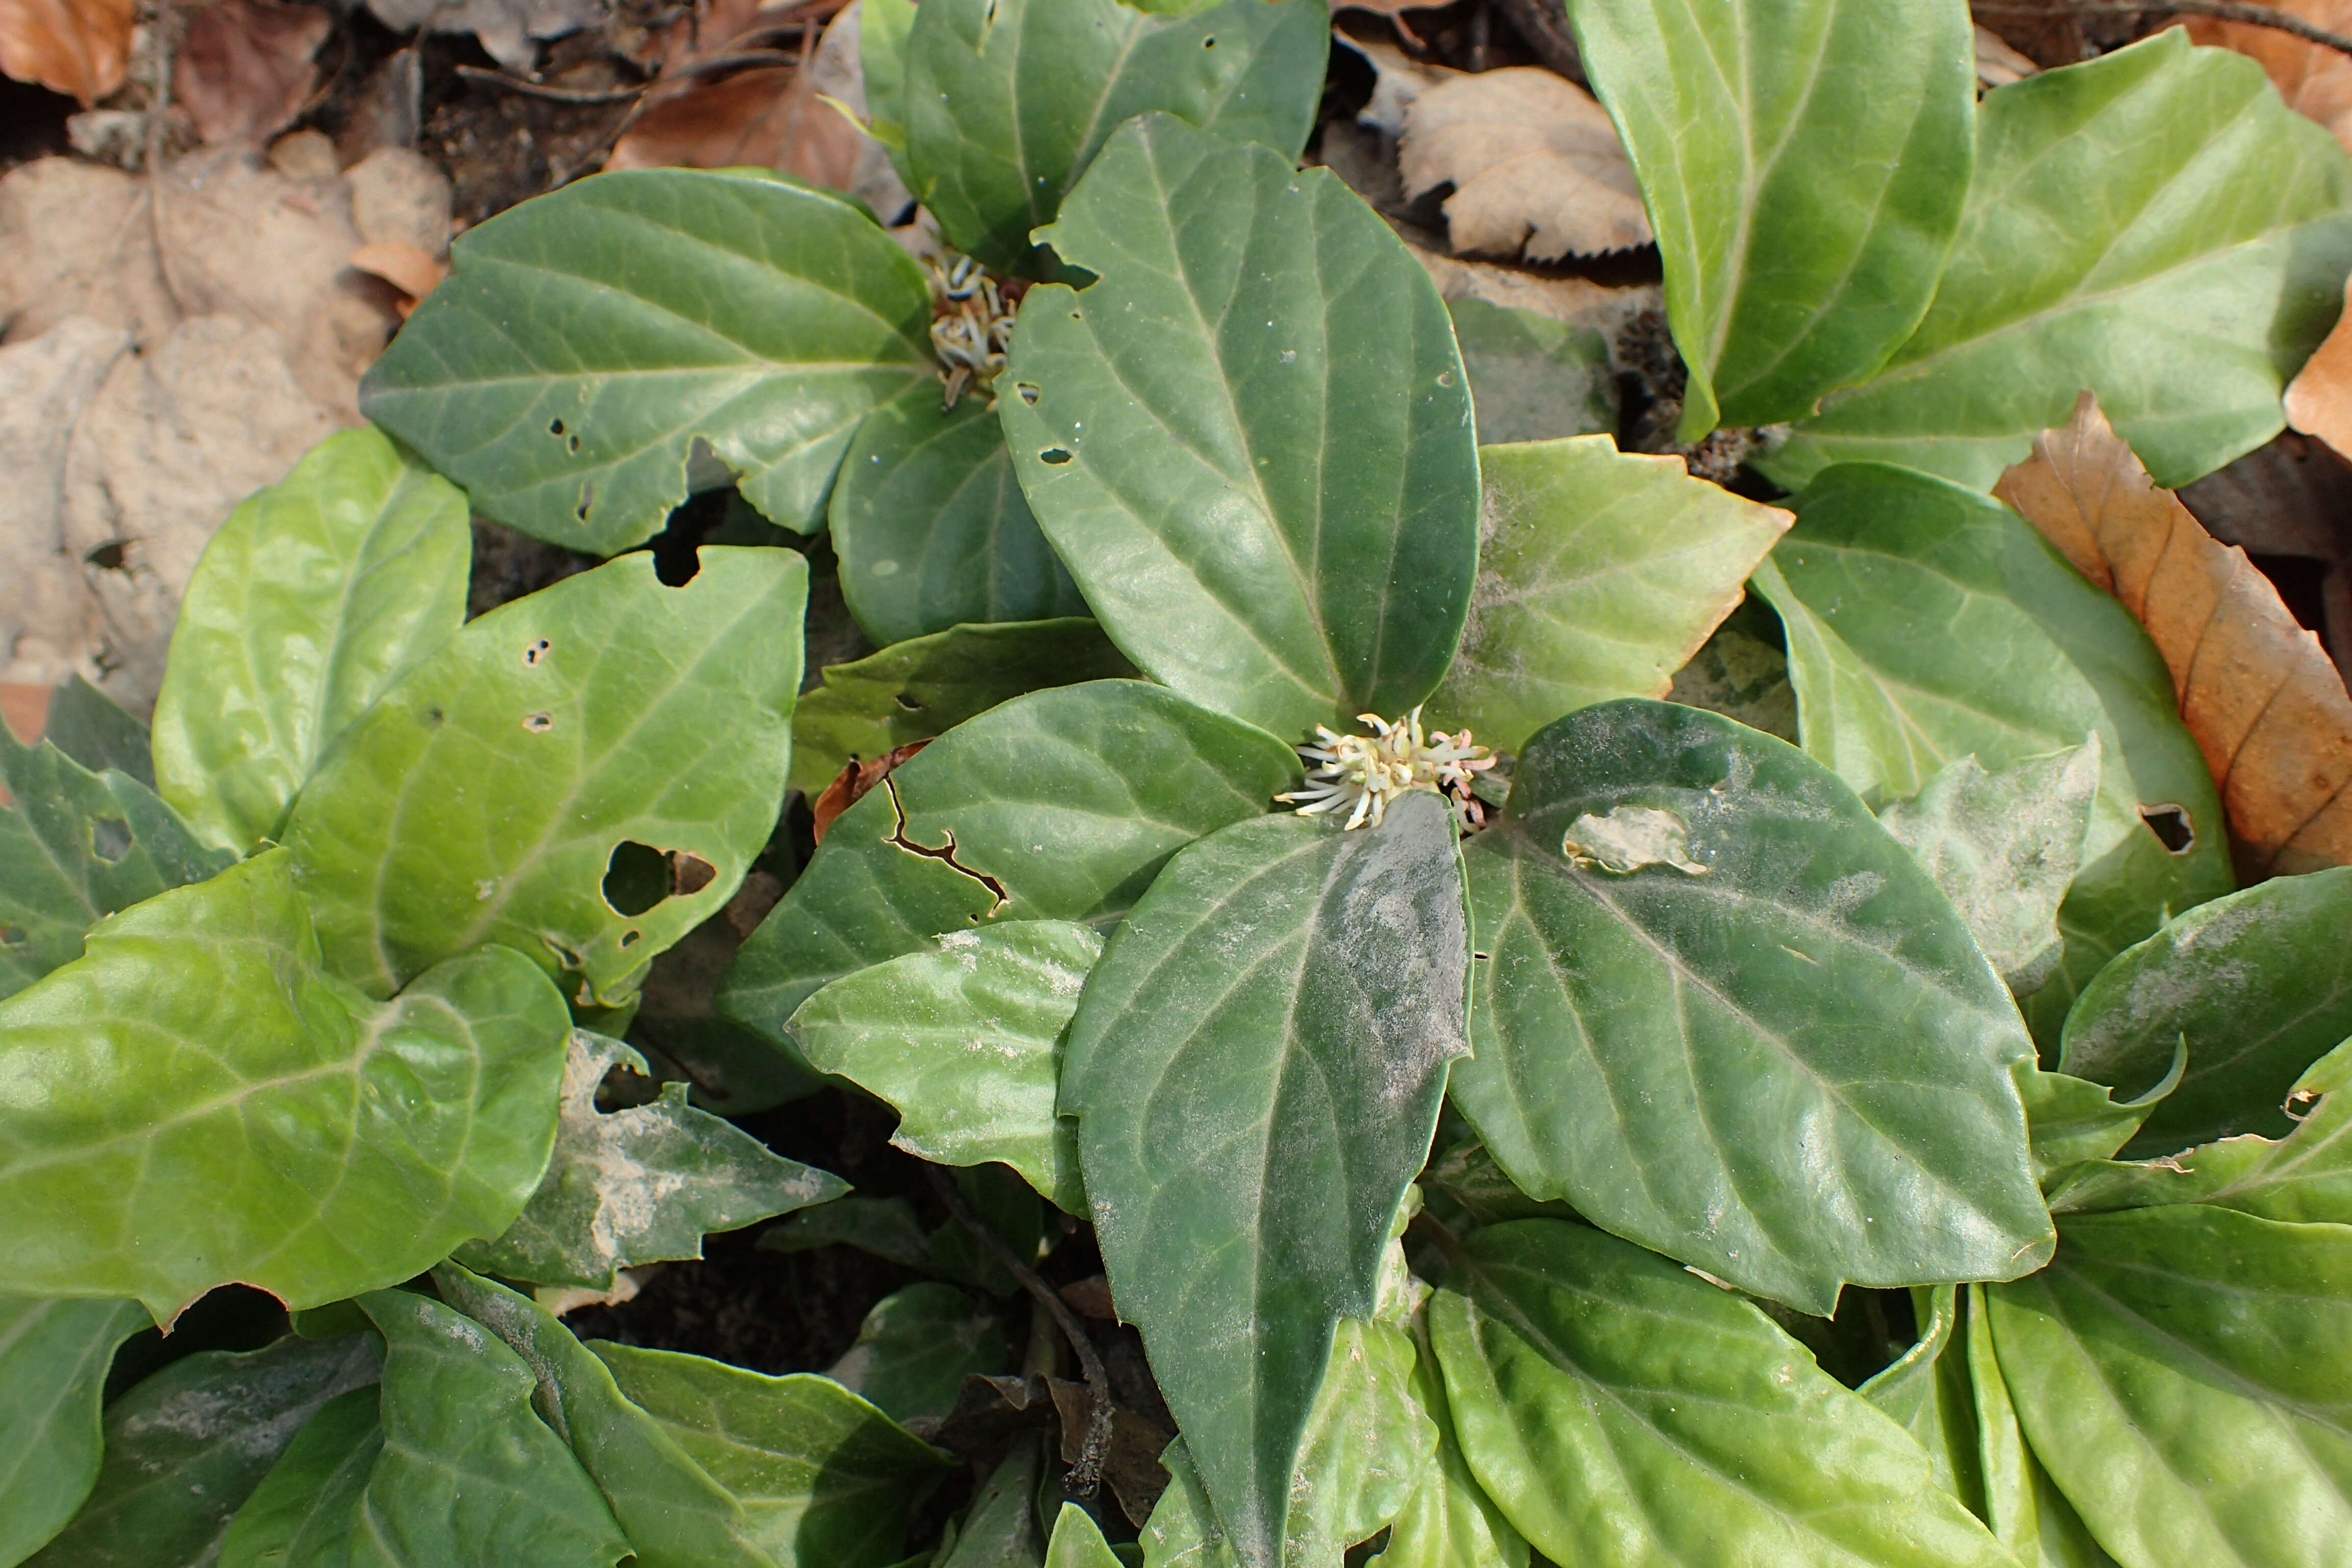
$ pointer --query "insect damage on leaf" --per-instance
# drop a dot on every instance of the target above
(1628, 838)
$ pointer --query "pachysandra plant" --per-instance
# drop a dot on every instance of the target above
(1521, 1115)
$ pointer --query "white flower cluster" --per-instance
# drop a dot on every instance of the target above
(1361, 774)
(971, 326)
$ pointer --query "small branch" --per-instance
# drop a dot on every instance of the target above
(1085, 1476)
(552, 94)
(2222, 10)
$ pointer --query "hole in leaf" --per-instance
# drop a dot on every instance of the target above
(630, 938)
(1210, 42)
(1056, 456)
(2172, 827)
(1028, 392)
(1445, 378)
(536, 651)
(433, 715)
(113, 556)
(110, 838)
(555, 426)
(564, 957)
(908, 703)
(689, 874)
(11, 936)
(587, 499)
(636, 878)
(539, 723)
(573, 444)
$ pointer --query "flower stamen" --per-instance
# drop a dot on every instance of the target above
(1362, 773)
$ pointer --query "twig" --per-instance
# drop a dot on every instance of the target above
(552, 94)
(2222, 10)
(1085, 1476)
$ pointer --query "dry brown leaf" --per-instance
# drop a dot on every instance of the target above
(24, 709)
(80, 47)
(2256, 691)
(1534, 164)
(407, 266)
(2319, 398)
(2316, 81)
(245, 71)
(2288, 505)
(1578, 301)
(771, 115)
(851, 785)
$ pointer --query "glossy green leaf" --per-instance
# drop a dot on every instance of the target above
(1068, 800)
(312, 598)
(199, 1050)
(825, 1478)
(468, 1473)
(1008, 101)
(1533, 378)
(483, 798)
(915, 1347)
(2028, 659)
(1077, 1542)
(965, 1042)
(302, 1513)
(2021, 1504)
(1250, 438)
(931, 527)
(76, 845)
(2153, 224)
(590, 338)
(2005, 845)
(188, 1446)
(886, 1227)
(1620, 1410)
(2257, 984)
(921, 688)
(1599, 574)
(1449, 1521)
(1804, 167)
(1703, 1056)
(2180, 1372)
(641, 1185)
(53, 1357)
(1927, 1390)
(87, 725)
(1255, 1067)
(2071, 1120)
(999, 1530)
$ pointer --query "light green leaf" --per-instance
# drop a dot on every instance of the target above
(1069, 800)
(188, 1446)
(591, 338)
(915, 1347)
(1599, 574)
(966, 1043)
(1804, 167)
(468, 1473)
(642, 1184)
(2153, 224)
(2005, 845)
(1700, 1060)
(1925, 1390)
(1255, 1067)
(2180, 1372)
(314, 597)
(199, 1050)
(931, 527)
(1250, 438)
(302, 1513)
(1619, 1411)
(1449, 1521)
(1001, 1529)
(825, 1478)
(2028, 659)
(1008, 101)
(2023, 1506)
(53, 1357)
(1533, 378)
(485, 797)
(87, 725)
(1077, 1542)
(2071, 1120)
(882, 29)
(76, 845)
(2256, 985)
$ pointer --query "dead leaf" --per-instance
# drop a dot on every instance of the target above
(509, 29)
(2288, 505)
(2316, 80)
(80, 47)
(2256, 691)
(24, 709)
(2319, 398)
(244, 71)
(1534, 164)
(1578, 301)
(410, 268)
(1998, 65)
(855, 779)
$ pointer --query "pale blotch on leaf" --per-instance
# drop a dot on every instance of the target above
(1628, 838)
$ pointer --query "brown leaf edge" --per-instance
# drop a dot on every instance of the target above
(854, 781)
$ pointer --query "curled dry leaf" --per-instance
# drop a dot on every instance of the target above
(2319, 398)
(244, 71)
(1534, 164)
(76, 47)
(2257, 691)
(855, 780)
(2316, 80)
(406, 265)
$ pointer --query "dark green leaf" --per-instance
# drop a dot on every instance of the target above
(882, 29)
(1697, 1051)
(1001, 1529)
(53, 1361)
(302, 1514)
(86, 724)
(1533, 378)
(886, 1227)
(2071, 1120)
(1927, 1390)
(915, 1347)
(1250, 439)
(588, 340)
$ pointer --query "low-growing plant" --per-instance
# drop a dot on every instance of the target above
(1520, 1116)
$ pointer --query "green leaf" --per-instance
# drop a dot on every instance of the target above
(931, 527)
(86, 724)
(197, 1102)
(1077, 1542)
(2021, 1504)
(1255, 1067)
(77, 845)
(1599, 574)
(920, 688)
(590, 338)
(1001, 1529)
(2180, 1372)
(882, 29)
(485, 797)
(2256, 986)
(468, 1473)
(1925, 1390)
(642, 1184)
(1804, 167)
(1620, 1410)
(825, 1478)
(314, 597)
(1533, 378)
(2154, 225)
(302, 1513)
(2005, 845)
(1004, 116)
(915, 1347)
(965, 1042)
(1069, 800)
(188, 1446)
(2071, 1120)
(1449, 1521)
(886, 1227)
(1697, 1055)
(2029, 659)
(1250, 438)
(53, 1357)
